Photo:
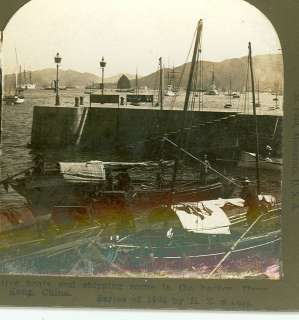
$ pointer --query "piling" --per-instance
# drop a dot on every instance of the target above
(76, 102)
(81, 101)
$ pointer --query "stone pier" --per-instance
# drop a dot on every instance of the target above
(105, 128)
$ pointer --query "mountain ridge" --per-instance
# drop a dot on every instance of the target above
(268, 69)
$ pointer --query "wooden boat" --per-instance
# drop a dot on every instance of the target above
(236, 95)
(189, 234)
(76, 184)
(17, 97)
(248, 160)
(153, 242)
(14, 99)
(254, 160)
(229, 105)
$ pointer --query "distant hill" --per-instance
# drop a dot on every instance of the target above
(268, 70)
(44, 77)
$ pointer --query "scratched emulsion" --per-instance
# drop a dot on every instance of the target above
(77, 248)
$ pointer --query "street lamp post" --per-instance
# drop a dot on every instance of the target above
(103, 65)
(57, 60)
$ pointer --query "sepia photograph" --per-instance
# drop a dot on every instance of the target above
(141, 139)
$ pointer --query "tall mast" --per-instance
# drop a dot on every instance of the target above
(258, 92)
(137, 91)
(25, 80)
(161, 83)
(256, 123)
(230, 90)
(1, 82)
(17, 64)
(168, 73)
(188, 91)
(189, 86)
(20, 76)
(173, 79)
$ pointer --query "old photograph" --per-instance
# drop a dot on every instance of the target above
(141, 139)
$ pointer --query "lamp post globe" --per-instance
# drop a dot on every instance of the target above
(57, 60)
(103, 65)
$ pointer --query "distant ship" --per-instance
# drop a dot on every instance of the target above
(171, 90)
(52, 87)
(17, 97)
(27, 85)
(213, 89)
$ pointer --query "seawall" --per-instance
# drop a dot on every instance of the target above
(137, 130)
(55, 126)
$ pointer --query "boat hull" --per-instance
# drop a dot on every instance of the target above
(247, 160)
(45, 194)
(181, 256)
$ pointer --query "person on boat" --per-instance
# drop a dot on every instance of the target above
(250, 196)
(268, 152)
(124, 181)
(204, 169)
(39, 165)
(109, 179)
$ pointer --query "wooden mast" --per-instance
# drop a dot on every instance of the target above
(189, 86)
(256, 123)
(258, 93)
(2, 82)
(137, 89)
(161, 83)
(230, 91)
(188, 91)
(17, 75)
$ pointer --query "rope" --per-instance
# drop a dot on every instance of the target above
(179, 131)
(15, 175)
(183, 71)
(219, 253)
(201, 162)
(233, 247)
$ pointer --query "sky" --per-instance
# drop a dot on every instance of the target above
(132, 34)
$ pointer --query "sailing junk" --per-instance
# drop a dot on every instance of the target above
(107, 184)
(27, 85)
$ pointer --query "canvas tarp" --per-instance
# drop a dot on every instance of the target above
(208, 217)
(203, 217)
(86, 172)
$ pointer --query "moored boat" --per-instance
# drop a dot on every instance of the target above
(248, 160)
(188, 234)
(76, 184)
